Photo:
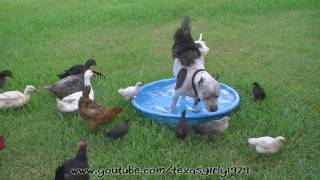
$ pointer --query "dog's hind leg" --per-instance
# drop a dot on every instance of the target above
(174, 100)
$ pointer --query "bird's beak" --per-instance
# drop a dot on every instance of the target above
(200, 38)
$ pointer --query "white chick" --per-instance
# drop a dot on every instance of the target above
(267, 144)
(129, 92)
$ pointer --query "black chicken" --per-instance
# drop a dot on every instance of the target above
(63, 172)
(3, 75)
(184, 47)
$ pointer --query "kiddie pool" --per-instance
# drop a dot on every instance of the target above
(154, 97)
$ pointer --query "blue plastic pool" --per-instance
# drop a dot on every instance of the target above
(154, 97)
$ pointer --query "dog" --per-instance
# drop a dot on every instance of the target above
(188, 68)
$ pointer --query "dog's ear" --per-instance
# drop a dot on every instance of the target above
(200, 83)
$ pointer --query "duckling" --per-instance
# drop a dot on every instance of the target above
(78, 69)
(70, 103)
(3, 75)
(118, 131)
(16, 98)
(181, 129)
(129, 92)
(70, 84)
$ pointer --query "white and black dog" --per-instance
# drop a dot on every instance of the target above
(188, 68)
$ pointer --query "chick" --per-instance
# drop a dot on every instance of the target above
(94, 114)
(267, 144)
(129, 92)
(80, 161)
(3, 75)
(258, 92)
(181, 129)
(118, 131)
(212, 128)
(2, 144)
(79, 68)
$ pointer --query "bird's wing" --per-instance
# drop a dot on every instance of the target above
(201, 129)
(11, 95)
(93, 109)
(264, 142)
(187, 57)
(68, 85)
(76, 69)
(73, 97)
(127, 90)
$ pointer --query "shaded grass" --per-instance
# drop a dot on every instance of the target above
(274, 42)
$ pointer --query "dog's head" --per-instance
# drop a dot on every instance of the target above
(208, 92)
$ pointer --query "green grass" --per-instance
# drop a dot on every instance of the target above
(274, 42)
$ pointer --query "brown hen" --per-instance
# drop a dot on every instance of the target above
(95, 114)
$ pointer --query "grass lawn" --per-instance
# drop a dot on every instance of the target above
(274, 42)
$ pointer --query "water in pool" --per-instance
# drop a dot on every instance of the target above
(158, 99)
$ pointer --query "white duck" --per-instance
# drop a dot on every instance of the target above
(70, 102)
(129, 92)
(267, 144)
(16, 98)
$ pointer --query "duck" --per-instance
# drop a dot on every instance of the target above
(16, 98)
(69, 85)
(70, 102)
(3, 75)
(79, 68)
(129, 92)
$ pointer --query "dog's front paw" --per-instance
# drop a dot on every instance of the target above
(167, 110)
(196, 110)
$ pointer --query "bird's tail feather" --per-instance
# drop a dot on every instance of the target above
(252, 141)
(120, 91)
(48, 87)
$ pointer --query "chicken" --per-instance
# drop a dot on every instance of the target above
(129, 92)
(258, 92)
(212, 128)
(3, 75)
(118, 131)
(79, 69)
(267, 144)
(80, 161)
(181, 129)
(95, 114)
(2, 145)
